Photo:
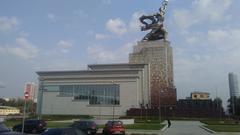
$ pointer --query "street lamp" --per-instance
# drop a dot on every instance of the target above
(114, 99)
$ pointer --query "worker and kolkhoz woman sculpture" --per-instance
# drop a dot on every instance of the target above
(156, 24)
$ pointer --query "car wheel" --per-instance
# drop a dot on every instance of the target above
(104, 133)
(34, 131)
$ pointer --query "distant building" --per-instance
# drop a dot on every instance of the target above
(199, 96)
(7, 110)
(233, 85)
(198, 108)
(31, 88)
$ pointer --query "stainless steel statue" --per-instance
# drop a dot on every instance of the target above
(156, 24)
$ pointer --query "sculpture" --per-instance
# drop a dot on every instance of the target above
(156, 25)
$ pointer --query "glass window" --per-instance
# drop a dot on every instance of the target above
(53, 88)
(66, 90)
(97, 94)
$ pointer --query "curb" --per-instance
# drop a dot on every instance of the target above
(208, 130)
(164, 128)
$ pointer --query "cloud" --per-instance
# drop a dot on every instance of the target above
(183, 19)
(102, 54)
(224, 40)
(8, 24)
(116, 26)
(106, 2)
(23, 49)
(51, 17)
(2, 85)
(134, 24)
(202, 11)
(210, 10)
(101, 36)
(64, 46)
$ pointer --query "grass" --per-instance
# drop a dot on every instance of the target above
(10, 123)
(64, 117)
(219, 122)
(145, 126)
(222, 125)
(148, 121)
(224, 128)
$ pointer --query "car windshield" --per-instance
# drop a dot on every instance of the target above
(31, 122)
(115, 123)
(3, 128)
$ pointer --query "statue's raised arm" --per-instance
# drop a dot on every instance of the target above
(156, 24)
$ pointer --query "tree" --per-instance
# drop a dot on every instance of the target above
(2, 102)
(217, 102)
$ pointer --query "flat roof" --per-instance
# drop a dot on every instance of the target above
(115, 66)
(117, 71)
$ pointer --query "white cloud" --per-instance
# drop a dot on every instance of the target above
(104, 55)
(8, 24)
(134, 24)
(101, 54)
(202, 11)
(210, 10)
(23, 49)
(64, 46)
(101, 36)
(116, 26)
(191, 39)
(224, 40)
(182, 19)
(51, 16)
(126, 49)
(2, 85)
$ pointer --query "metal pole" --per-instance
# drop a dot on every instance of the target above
(23, 115)
(114, 100)
(159, 108)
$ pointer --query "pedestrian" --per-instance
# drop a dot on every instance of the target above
(169, 123)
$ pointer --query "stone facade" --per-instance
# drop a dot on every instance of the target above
(158, 54)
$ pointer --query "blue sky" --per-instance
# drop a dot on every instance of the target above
(68, 35)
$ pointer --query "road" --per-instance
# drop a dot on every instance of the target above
(189, 128)
(185, 128)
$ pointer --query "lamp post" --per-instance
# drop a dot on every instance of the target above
(114, 99)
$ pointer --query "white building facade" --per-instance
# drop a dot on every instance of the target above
(106, 90)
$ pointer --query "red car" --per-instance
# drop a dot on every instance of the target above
(114, 127)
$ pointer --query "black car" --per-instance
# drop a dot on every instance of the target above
(88, 127)
(31, 126)
(63, 131)
(6, 131)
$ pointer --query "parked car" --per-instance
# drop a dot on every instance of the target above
(63, 131)
(31, 126)
(88, 127)
(6, 131)
(114, 127)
